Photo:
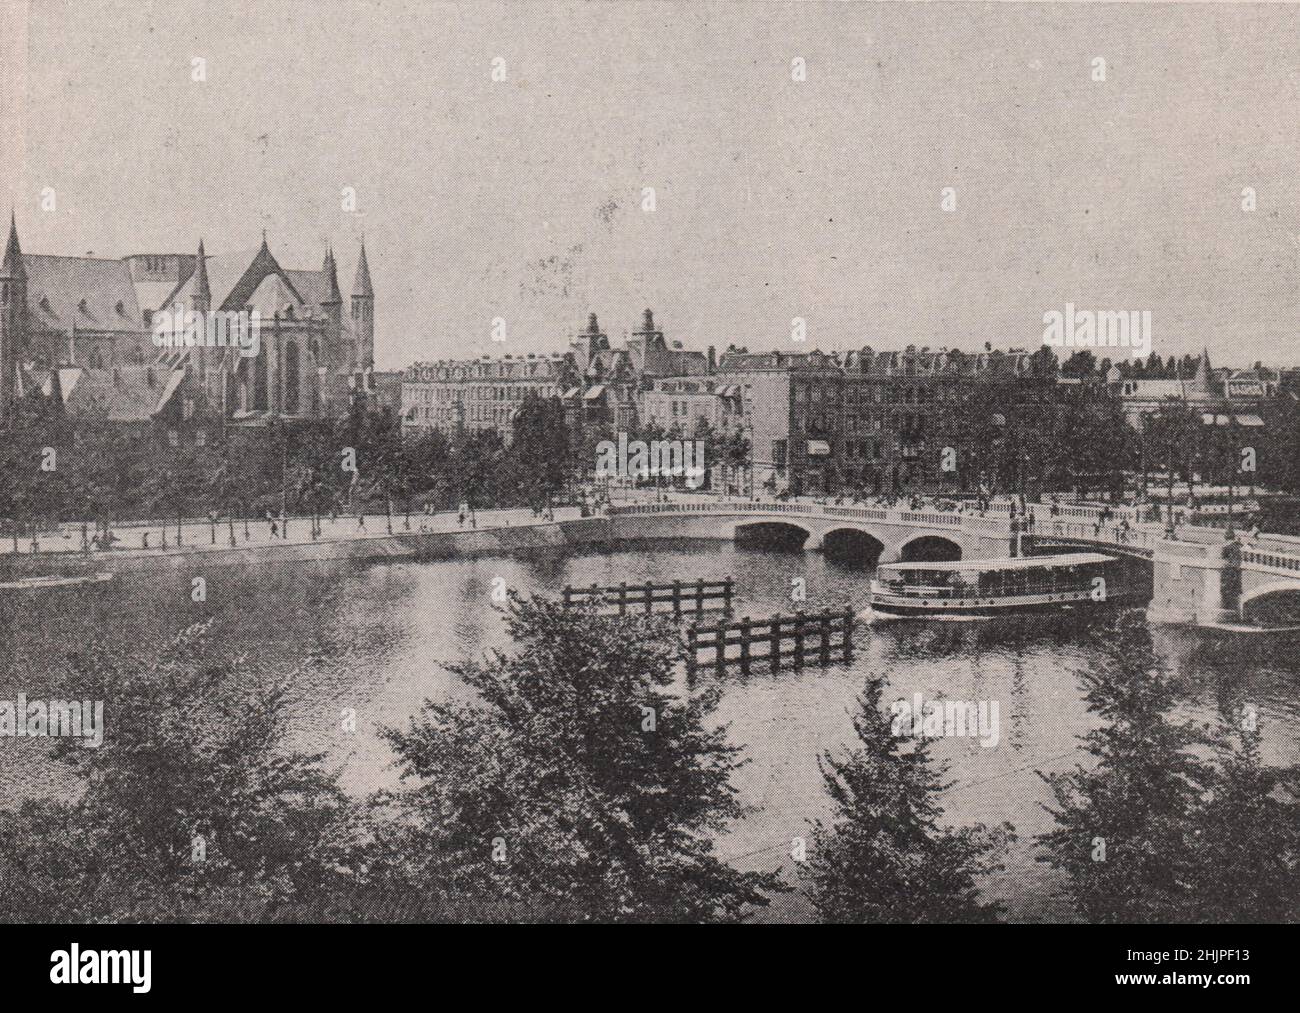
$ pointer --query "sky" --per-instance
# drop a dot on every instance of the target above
(523, 200)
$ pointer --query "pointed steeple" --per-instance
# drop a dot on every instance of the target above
(332, 276)
(202, 297)
(361, 287)
(12, 266)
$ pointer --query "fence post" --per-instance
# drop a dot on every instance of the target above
(699, 595)
(798, 639)
(826, 639)
(622, 597)
(568, 594)
(649, 597)
(727, 592)
(744, 645)
(720, 648)
(848, 634)
(774, 652)
(677, 597)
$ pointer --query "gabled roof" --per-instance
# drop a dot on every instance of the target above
(123, 394)
(89, 293)
(313, 286)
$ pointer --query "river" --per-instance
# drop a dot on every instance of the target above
(377, 639)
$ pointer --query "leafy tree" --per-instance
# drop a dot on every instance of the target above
(191, 809)
(580, 784)
(885, 855)
(1172, 821)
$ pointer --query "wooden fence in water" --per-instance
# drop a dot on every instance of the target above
(819, 637)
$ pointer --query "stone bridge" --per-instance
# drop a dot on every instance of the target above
(867, 534)
(1205, 580)
(1199, 578)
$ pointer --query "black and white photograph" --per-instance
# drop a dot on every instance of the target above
(555, 463)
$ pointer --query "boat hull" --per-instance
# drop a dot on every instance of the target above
(890, 607)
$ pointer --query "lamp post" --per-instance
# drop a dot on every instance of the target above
(1231, 533)
(1169, 502)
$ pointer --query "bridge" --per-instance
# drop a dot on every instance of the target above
(1199, 577)
(866, 534)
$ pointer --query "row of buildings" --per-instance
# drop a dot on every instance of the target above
(815, 423)
(81, 330)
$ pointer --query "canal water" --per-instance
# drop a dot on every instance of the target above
(377, 639)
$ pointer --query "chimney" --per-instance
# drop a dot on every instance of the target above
(713, 359)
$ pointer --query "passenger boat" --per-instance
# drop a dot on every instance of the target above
(979, 588)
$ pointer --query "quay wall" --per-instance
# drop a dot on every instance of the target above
(403, 546)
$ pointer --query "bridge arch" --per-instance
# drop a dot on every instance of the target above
(852, 547)
(1276, 603)
(929, 549)
(772, 535)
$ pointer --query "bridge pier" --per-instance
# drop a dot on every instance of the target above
(1195, 583)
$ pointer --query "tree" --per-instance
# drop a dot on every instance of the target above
(1080, 365)
(580, 784)
(537, 460)
(1172, 821)
(885, 857)
(191, 809)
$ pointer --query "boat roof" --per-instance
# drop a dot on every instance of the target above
(1009, 563)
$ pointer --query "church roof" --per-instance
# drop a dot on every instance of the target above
(89, 293)
(313, 286)
(124, 394)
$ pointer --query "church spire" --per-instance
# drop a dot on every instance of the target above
(332, 276)
(12, 266)
(202, 298)
(361, 287)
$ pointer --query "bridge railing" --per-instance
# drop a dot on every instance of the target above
(927, 518)
(1271, 560)
(1107, 534)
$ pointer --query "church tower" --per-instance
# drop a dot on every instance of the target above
(13, 314)
(363, 315)
(332, 305)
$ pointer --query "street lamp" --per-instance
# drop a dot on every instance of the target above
(1232, 471)
(1169, 502)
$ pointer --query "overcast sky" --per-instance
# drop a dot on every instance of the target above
(774, 199)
